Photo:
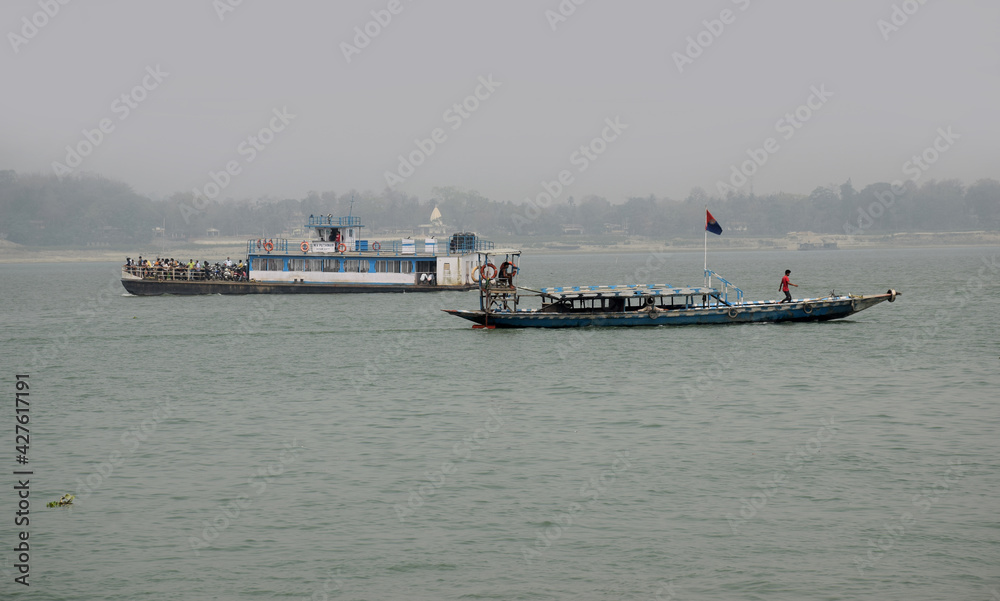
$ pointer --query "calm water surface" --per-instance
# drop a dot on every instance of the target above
(372, 447)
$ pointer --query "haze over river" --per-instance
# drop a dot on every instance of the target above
(373, 447)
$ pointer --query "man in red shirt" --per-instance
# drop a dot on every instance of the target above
(785, 283)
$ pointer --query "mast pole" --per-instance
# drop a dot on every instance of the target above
(708, 282)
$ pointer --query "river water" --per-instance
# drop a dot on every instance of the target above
(373, 447)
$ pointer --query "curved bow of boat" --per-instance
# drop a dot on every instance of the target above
(860, 303)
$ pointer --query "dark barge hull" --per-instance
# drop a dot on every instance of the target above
(182, 288)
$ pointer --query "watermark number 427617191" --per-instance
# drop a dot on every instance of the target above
(21, 441)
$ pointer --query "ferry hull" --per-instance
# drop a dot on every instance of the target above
(146, 287)
(798, 311)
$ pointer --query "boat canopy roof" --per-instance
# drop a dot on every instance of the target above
(624, 290)
(501, 251)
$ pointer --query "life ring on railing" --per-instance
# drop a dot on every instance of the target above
(807, 308)
(475, 272)
(258, 242)
(268, 246)
(376, 246)
(490, 266)
(304, 246)
(342, 247)
(733, 312)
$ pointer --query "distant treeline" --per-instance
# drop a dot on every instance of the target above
(81, 210)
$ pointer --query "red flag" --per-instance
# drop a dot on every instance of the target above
(711, 224)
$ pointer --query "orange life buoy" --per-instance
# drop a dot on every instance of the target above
(376, 246)
(268, 246)
(489, 266)
(475, 273)
(342, 247)
(304, 246)
(258, 242)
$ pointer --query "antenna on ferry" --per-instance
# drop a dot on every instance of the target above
(351, 210)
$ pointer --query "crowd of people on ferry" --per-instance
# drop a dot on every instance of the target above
(163, 268)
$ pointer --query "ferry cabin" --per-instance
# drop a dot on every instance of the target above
(339, 255)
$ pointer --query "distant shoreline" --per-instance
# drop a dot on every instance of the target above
(219, 250)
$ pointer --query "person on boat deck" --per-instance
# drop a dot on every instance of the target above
(506, 273)
(785, 283)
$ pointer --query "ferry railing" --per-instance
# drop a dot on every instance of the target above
(320, 220)
(257, 246)
(726, 287)
(182, 274)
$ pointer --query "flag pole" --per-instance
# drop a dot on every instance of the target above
(708, 282)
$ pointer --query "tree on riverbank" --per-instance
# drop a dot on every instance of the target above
(81, 210)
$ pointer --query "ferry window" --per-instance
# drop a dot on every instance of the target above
(314, 264)
(263, 264)
(387, 266)
(355, 266)
(297, 265)
(406, 267)
(426, 266)
(331, 265)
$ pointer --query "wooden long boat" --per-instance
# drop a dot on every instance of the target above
(501, 303)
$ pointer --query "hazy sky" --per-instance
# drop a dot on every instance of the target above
(182, 91)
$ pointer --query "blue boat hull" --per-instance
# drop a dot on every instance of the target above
(807, 310)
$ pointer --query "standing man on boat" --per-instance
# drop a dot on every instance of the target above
(785, 283)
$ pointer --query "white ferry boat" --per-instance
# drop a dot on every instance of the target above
(337, 259)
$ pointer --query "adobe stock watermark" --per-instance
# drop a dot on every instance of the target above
(896, 528)
(31, 26)
(714, 28)
(43, 357)
(787, 126)
(257, 481)
(333, 583)
(224, 7)
(900, 16)
(130, 441)
(364, 34)
(122, 106)
(710, 377)
(565, 10)
(396, 344)
(455, 116)
(915, 167)
(950, 308)
(795, 459)
(591, 491)
(461, 452)
(248, 148)
(581, 158)
(667, 589)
